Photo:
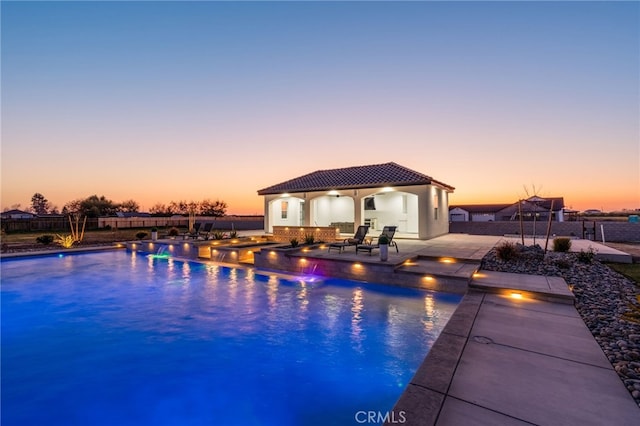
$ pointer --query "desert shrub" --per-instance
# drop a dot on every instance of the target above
(294, 242)
(45, 239)
(233, 234)
(563, 263)
(561, 244)
(107, 227)
(217, 235)
(154, 229)
(309, 239)
(507, 251)
(140, 235)
(66, 241)
(587, 256)
(173, 232)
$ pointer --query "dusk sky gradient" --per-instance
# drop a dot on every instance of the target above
(161, 101)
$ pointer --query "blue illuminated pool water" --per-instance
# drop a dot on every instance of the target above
(122, 339)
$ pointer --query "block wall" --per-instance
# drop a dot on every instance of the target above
(613, 231)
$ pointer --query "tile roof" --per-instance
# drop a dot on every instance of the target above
(373, 176)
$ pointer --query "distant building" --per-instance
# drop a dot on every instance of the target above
(532, 207)
(132, 214)
(16, 214)
(475, 212)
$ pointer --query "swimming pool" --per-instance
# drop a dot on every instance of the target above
(122, 338)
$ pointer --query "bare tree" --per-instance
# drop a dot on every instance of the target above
(130, 206)
(159, 208)
(215, 208)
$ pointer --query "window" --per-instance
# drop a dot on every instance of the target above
(435, 213)
(284, 208)
(369, 203)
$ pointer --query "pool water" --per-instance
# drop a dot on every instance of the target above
(122, 338)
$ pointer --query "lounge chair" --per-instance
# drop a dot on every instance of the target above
(358, 238)
(387, 231)
(205, 231)
(194, 232)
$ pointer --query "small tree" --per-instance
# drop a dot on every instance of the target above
(95, 206)
(39, 204)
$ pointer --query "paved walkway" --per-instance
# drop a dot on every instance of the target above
(507, 361)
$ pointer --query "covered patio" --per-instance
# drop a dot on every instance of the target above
(375, 195)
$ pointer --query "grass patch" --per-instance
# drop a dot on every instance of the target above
(630, 270)
(93, 236)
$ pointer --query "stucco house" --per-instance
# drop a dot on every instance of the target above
(16, 214)
(533, 206)
(376, 195)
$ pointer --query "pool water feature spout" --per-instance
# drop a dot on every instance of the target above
(161, 253)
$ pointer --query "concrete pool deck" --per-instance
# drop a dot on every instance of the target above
(501, 360)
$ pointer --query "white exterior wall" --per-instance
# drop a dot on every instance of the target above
(273, 212)
(395, 208)
(327, 209)
(438, 223)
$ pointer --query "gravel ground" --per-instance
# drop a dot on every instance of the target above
(608, 302)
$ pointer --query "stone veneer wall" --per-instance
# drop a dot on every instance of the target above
(369, 271)
(284, 234)
(613, 231)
